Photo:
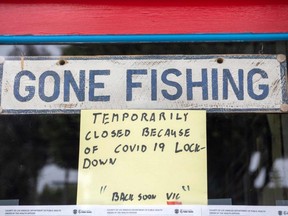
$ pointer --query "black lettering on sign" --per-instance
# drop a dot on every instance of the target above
(146, 197)
(88, 163)
(172, 196)
(188, 147)
(122, 197)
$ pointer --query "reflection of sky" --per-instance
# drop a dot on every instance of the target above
(5, 49)
(52, 175)
(278, 176)
(54, 50)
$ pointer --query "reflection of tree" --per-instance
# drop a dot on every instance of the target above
(56, 194)
(168, 48)
(27, 143)
(62, 134)
(29, 50)
(231, 140)
(22, 155)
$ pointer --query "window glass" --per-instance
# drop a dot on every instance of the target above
(247, 152)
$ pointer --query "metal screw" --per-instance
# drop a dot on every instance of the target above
(2, 60)
(281, 58)
(284, 108)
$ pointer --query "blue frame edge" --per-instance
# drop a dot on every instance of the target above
(145, 38)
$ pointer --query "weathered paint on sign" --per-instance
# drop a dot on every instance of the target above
(225, 83)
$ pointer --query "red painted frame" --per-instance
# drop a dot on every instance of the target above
(114, 17)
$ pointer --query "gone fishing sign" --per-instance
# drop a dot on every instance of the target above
(228, 83)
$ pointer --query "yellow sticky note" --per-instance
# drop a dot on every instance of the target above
(142, 157)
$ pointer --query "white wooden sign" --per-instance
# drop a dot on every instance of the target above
(228, 83)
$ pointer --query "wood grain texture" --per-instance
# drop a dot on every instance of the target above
(54, 17)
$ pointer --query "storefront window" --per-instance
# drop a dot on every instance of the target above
(247, 152)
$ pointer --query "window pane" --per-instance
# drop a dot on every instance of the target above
(247, 153)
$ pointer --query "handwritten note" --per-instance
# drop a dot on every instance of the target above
(142, 157)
